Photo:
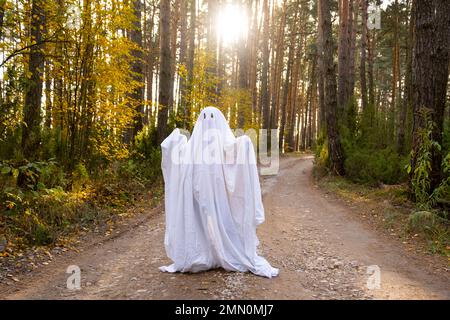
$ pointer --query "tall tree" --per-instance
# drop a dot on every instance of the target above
(265, 102)
(287, 80)
(183, 54)
(320, 81)
(150, 54)
(165, 71)
(344, 54)
(370, 66)
(31, 136)
(430, 75)
(253, 42)
(407, 101)
(335, 152)
(396, 58)
(175, 18)
(243, 48)
(137, 67)
(191, 56)
(362, 67)
(278, 67)
(211, 47)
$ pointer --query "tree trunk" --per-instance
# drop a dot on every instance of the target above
(291, 145)
(211, 47)
(175, 14)
(362, 68)
(407, 101)
(287, 80)
(353, 25)
(31, 136)
(265, 102)
(58, 112)
(370, 63)
(395, 58)
(137, 68)
(254, 38)
(343, 55)
(150, 62)
(311, 100)
(430, 75)
(334, 144)
(278, 68)
(243, 80)
(321, 71)
(165, 71)
(48, 95)
(183, 54)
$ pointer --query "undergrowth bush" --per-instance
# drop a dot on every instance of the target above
(369, 157)
(54, 200)
(375, 166)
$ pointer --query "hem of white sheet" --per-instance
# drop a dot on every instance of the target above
(272, 273)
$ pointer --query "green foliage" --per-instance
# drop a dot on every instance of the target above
(54, 201)
(442, 191)
(202, 86)
(80, 177)
(420, 180)
(321, 152)
(446, 137)
(238, 102)
(423, 221)
(147, 156)
(420, 177)
(434, 227)
(375, 166)
(369, 157)
(352, 116)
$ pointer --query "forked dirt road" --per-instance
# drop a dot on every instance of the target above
(322, 249)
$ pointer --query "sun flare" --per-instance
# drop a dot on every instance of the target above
(232, 23)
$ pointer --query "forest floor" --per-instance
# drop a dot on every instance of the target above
(320, 243)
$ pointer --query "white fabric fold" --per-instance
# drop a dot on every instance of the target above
(212, 199)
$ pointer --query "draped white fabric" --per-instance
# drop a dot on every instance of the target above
(212, 199)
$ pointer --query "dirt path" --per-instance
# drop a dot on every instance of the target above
(320, 246)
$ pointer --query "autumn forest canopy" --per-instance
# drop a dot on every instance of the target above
(89, 89)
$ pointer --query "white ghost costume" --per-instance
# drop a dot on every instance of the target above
(212, 199)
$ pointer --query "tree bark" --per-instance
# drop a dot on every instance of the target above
(362, 68)
(278, 68)
(183, 54)
(430, 75)
(343, 55)
(370, 64)
(395, 58)
(150, 45)
(265, 103)
(254, 39)
(243, 79)
(287, 80)
(190, 59)
(137, 68)
(31, 135)
(335, 152)
(165, 71)
(407, 101)
(175, 17)
(353, 25)
(320, 83)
